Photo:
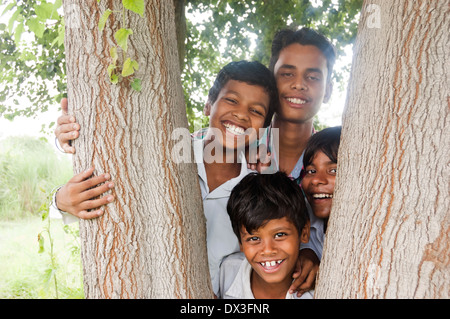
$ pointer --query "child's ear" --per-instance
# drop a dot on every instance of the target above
(328, 91)
(304, 236)
(207, 109)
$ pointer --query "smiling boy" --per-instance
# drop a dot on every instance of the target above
(242, 99)
(302, 62)
(269, 217)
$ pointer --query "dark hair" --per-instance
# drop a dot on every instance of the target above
(327, 141)
(259, 198)
(253, 73)
(304, 36)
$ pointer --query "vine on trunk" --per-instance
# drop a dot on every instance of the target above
(130, 66)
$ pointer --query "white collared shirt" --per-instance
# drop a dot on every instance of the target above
(220, 239)
(234, 283)
(317, 235)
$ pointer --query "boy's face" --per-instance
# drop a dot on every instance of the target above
(301, 75)
(239, 106)
(318, 184)
(272, 250)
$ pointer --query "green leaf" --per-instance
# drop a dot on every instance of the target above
(114, 79)
(129, 67)
(110, 69)
(121, 37)
(36, 26)
(14, 18)
(44, 11)
(103, 18)
(58, 4)
(61, 33)
(41, 243)
(113, 53)
(18, 32)
(136, 6)
(9, 7)
(112, 76)
(136, 85)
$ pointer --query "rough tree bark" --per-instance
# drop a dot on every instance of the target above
(151, 241)
(180, 29)
(388, 234)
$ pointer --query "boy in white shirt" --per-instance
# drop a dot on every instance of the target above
(241, 101)
(269, 216)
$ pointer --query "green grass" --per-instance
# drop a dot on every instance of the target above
(25, 271)
(29, 170)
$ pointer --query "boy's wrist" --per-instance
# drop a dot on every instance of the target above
(55, 200)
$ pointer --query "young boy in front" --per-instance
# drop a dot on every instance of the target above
(302, 62)
(241, 101)
(269, 217)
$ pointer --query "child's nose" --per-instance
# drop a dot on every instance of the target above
(241, 114)
(269, 248)
(319, 179)
(298, 83)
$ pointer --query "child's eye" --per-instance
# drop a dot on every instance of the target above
(287, 75)
(313, 78)
(279, 235)
(253, 239)
(232, 101)
(257, 112)
(333, 170)
(310, 171)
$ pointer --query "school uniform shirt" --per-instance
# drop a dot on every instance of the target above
(234, 281)
(318, 236)
(220, 238)
(269, 139)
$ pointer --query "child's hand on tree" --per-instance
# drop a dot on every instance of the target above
(67, 129)
(79, 197)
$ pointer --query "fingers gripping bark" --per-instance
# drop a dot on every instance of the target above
(67, 129)
(82, 196)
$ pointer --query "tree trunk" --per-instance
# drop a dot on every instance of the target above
(180, 30)
(151, 242)
(388, 233)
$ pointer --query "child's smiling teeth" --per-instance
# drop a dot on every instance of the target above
(272, 263)
(236, 130)
(320, 196)
(295, 100)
